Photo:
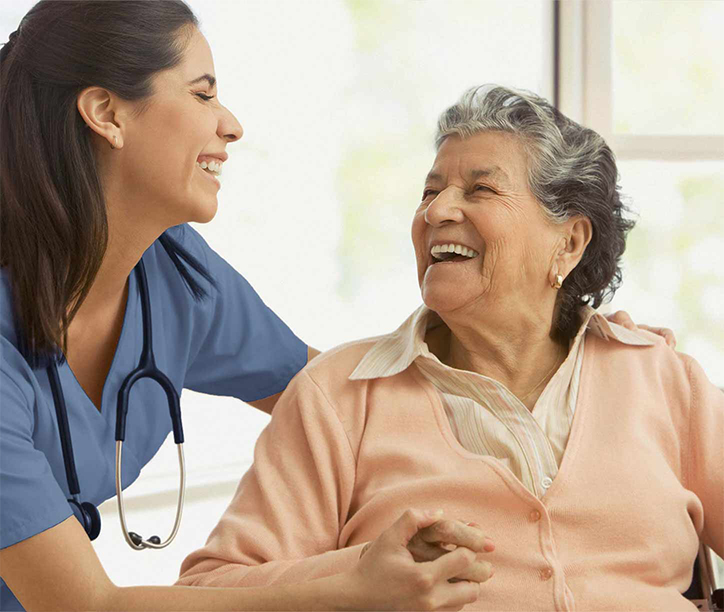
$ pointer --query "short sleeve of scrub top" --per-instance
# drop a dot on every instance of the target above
(229, 343)
(247, 351)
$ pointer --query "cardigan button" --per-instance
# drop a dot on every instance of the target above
(546, 574)
(534, 516)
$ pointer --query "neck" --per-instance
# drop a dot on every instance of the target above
(517, 351)
(125, 247)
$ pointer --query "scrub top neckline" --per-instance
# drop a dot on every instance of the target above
(130, 299)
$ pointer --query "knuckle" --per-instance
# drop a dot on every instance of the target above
(473, 593)
(444, 528)
(467, 555)
(409, 515)
(425, 581)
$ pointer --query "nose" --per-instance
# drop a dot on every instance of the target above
(445, 208)
(229, 127)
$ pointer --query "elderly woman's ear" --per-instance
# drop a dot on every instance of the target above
(576, 234)
(571, 246)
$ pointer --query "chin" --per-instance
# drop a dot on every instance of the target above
(204, 213)
(440, 299)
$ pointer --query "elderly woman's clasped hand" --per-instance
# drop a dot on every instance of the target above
(438, 559)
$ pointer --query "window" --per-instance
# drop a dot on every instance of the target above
(648, 77)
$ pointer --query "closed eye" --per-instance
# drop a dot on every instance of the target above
(482, 187)
(205, 97)
(427, 193)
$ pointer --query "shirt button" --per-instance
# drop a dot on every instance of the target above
(546, 482)
(546, 573)
(534, 516)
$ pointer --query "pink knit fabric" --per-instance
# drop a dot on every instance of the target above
(642, 479)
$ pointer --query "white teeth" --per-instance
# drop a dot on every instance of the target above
(458, 249)
(212, 167)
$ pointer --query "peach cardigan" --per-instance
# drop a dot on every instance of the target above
(641, 480)
(485, 416)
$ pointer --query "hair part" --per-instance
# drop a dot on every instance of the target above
(53, 223)
(571, 171)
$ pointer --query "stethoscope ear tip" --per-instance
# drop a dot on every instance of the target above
(138, 540)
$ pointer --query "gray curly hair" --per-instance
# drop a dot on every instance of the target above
(571, 171)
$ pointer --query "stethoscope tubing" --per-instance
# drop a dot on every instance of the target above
(146, 369)
(140, 543)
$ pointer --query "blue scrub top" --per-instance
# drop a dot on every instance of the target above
(228, 344)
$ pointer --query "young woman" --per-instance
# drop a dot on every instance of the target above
(111, 133)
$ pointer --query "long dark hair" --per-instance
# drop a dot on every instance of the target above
(53, 224)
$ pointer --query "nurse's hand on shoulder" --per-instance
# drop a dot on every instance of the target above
(621, 317)
(391, 578)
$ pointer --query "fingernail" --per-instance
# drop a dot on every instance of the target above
(435, 513)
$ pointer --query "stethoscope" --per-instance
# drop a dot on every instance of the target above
(86, 512)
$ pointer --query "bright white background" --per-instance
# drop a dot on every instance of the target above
(338, 100)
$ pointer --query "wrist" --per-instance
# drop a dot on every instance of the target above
(343, 592)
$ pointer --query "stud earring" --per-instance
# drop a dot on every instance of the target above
(559, 282)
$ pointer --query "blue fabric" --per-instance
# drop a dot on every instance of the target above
(229, 344)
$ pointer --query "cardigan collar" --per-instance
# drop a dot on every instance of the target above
(394, 352)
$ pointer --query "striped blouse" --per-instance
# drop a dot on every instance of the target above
(485, 416)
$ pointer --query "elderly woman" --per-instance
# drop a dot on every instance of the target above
(591, 454)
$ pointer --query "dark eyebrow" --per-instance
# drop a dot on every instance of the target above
(204, 77)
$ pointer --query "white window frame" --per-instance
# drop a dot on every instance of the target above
(585, 94)
(586, 88)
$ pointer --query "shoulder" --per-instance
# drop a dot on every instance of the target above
(14, 366)
(333, 367)
(655, 350)
(17, 389)
(18, 382)
(181, 251)
(328, 375)
(654, 368)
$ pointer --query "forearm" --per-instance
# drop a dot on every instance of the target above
(331, 593)
(213, 572)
